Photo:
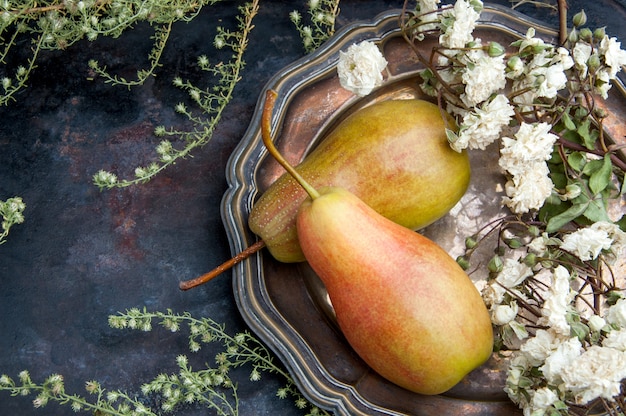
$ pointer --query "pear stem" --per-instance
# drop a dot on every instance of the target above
(266, 133)
(228, 264)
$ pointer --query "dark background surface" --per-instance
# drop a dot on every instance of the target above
(83, 254)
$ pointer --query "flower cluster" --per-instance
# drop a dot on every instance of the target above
(551, 285)
(322, 15)
(360, 68)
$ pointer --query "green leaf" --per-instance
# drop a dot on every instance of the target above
(600, 179)
(587, 135)
(596, 211)
(576, 161)
(557, 222)
(568, 123)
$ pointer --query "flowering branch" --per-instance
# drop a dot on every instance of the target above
(556, 301)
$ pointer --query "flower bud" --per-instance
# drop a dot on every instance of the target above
(495, 49)
(463, 262)
(534, 230)
(470, 242)
(585, 34)
(599, 33)
(573, 36)
(579, 19)
(530, 260)
(594, 62)
(513, 242)
(495, 264)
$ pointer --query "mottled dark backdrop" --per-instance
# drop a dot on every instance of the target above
(83, 254)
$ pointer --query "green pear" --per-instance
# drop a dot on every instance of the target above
(403, 304)
(394, 155)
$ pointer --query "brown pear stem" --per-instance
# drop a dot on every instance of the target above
(237, 258)
(266, 133)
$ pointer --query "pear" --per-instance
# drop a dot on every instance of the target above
(394, 155)
(402, 303)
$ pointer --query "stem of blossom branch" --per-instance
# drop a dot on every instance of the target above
(562, 4)
(617, 161)
(238, 258)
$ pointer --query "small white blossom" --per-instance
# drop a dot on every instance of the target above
(616, 339)
(513, 273)
(617, 313)
(503, 314)
(597, 372)
(529, 191)
(532, 143)
(556, 305)
(539, 347)
(427, 16)
(586, 243)
(614, 55)
(483, 77)
(596, 323)
(560, 359)
(459, 33)
(581, 54)
(483, 126)
(360, 68)
(541, 400)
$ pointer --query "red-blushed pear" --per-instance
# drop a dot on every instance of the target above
(404, 305)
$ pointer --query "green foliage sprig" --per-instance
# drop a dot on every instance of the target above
(58, 24)
(12, 212)
(211, 101)
(212, 387)
(322, 15)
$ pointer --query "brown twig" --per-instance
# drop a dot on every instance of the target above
(238, 258)
(562, 4)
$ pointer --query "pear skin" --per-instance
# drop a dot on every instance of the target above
(403, 304)
(394, 155)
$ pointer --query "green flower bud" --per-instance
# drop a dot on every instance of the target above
(495, 49)
(530, 260)
(579, 19)
(470, 242)
(534, 230)
(495, 264)
(585, 34)
(513, 242)
(463, 262)
(599, 33)
(573, 36)
(594, 62)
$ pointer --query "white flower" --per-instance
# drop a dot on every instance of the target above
(482, 126)
(539, 347)
(596, 323)
(482, 77)
(503, 314)
(616, 339)
(426, 9)
(542, 399)
(603, 83)
(529, 190)
(581, 54)
(614, 56)
(532, 143)
(598, 372)
(560, 359)
(586, 243)
(556, 305)
(554, 79)
(617, 236)
(617, 313)
(459, 33)
(513, 273)
(360, 68)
